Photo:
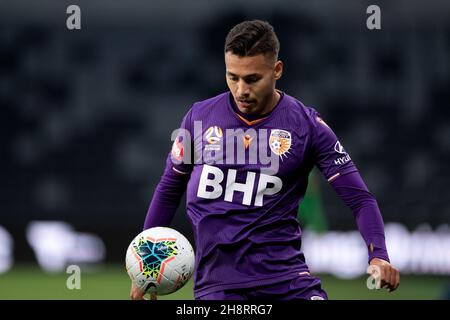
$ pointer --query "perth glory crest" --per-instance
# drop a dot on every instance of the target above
(280, 142)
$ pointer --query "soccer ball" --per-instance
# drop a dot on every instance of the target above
(160, 260)
(276, 145)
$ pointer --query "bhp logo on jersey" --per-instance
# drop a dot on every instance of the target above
(210, 185)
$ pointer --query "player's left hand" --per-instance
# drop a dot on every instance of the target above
(389, 276)
(137, 294)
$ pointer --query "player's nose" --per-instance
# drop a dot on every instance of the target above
(243, 89)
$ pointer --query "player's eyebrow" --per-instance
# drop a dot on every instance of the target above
(246, 76)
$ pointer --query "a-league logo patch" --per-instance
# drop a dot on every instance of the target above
(213, 134)
(280, 142)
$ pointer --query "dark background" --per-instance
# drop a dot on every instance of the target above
(86, 115)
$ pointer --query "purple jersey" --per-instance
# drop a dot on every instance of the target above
(245, 180)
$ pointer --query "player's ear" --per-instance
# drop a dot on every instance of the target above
(278, 70)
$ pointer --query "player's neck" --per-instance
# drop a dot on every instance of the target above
(273, 102)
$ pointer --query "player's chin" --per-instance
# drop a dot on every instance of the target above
(250, 109)
(247, 107)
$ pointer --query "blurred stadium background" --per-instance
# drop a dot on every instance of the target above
(86, 118)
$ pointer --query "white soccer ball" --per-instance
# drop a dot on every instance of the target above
(276, 144)
(160, 260)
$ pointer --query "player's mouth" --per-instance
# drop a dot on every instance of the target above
(245, 104)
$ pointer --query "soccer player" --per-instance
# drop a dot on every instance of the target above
(244, 157)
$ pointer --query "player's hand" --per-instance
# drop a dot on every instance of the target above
(389, 276)
(152, 296)
(137, 294)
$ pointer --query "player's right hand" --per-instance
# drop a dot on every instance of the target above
(137, 294)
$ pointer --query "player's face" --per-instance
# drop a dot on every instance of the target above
(251, 81)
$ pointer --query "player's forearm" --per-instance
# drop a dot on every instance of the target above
(371, 227)
(352, 190)
(166, 199)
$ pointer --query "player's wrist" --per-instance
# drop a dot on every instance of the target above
(378, 253)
